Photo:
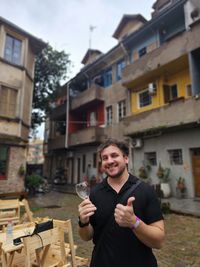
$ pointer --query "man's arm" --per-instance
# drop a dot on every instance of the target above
(86, 209)
(86, 233)
(151, 235)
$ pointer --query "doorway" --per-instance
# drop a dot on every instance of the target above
(196, 170)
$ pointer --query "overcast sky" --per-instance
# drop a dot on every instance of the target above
(65, 23)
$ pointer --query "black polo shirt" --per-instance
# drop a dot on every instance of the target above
(120, 247)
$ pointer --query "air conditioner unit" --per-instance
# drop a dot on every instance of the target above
(137, 143)
(192, 12)
(152, 88)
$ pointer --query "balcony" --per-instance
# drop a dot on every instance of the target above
(86, 136)
(93, 94)
(56, 143)
(156, 62)
(176, 114)
(58, 112)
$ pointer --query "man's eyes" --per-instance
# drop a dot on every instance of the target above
(111, 156)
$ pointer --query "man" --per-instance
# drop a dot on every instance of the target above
(137, 224)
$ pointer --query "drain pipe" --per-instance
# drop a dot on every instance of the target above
(67, 115)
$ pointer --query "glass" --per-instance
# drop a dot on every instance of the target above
(83, 190)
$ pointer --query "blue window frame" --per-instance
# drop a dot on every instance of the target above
(144, 99)
(142, 51)
(108, 77)
(119, 67)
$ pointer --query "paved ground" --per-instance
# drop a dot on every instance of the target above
(181, 248)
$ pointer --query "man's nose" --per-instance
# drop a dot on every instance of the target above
(110, 160)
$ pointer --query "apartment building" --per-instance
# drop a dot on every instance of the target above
(164, 123)
(95, 103)
(17, 56)
(145, 90)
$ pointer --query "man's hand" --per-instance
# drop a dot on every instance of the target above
(86, 209)
(124, 215)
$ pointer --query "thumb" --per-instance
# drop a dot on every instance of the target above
(130, 201)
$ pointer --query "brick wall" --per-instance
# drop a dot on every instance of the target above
(14, 182)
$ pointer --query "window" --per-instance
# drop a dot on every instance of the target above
(173, 91)
(108, 77)
(142, 51)
(121, 109)
(151, 158)
(175, 157)
(109, 115)
(13, 50)
(3, 162)
(8, 98)
(170, 92)
(119, 67)
(144, 99)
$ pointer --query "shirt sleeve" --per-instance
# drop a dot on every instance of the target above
(153, 211)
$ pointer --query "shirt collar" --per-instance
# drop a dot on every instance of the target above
(131, 180)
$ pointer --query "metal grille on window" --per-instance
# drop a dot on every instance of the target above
(176, 157)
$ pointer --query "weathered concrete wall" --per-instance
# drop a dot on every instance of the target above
(183, 139)
(169, 51)
(177, 113)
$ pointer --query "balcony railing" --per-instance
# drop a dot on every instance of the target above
(176, 114)
(153, 63)
(86, 136)
(56, 143)
(58, 112)
(94, 93)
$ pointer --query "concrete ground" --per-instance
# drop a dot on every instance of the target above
(181, 248)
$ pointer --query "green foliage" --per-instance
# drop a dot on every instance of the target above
(22, 170)
(166, 207)
(33, 180)
(143, 173)
(50, 69)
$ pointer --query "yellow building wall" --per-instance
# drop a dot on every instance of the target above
(182, 79)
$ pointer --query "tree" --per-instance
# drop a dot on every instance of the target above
(50, 69)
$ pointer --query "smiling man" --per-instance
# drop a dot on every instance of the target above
(124, 226)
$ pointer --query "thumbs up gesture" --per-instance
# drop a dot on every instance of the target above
(124, 214)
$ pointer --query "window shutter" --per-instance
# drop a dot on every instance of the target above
(166, 91)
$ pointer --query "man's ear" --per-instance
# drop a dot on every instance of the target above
(126, 158)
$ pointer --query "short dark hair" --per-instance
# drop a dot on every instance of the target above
(114, 142)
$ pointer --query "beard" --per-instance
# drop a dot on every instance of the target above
(116, 175)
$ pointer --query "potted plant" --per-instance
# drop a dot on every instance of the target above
(143, 173)
(181, 186)
(163, 175)
(22, 170)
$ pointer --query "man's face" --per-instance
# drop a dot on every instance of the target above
(113, 161)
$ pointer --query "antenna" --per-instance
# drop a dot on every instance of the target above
(91, 29)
